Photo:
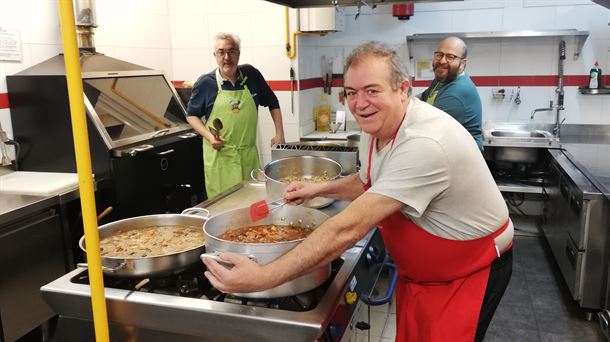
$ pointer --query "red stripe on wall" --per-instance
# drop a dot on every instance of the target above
(178, 84)
(4, 101)
(480, 81)
(281, 85)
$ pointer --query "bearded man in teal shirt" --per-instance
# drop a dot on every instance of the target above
(452, 89)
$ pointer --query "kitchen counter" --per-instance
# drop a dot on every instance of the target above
(35, 248)
(16, 206)
(592, 156)
(249, 192)
(13, 206)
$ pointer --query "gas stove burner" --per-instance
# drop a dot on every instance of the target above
(186, 283)
(193, 283)
(298, 303)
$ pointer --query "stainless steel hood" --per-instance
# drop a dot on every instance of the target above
(126, 102)
(89, 62)
(329, 3)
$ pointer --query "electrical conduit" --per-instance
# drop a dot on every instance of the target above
(291, 48)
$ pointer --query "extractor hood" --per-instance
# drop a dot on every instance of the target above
(329, 3)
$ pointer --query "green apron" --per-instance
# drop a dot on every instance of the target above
(432, 95)
(233, 163)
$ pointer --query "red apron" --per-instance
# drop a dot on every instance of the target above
(441, 282)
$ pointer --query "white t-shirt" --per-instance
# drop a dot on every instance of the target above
(436, 169)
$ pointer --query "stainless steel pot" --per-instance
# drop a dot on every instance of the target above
(264, 253)
(301, 166)
(155, 266)
(353, 140)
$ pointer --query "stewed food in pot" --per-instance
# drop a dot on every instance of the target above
(312, 179)
(267, 233)
(152, 241)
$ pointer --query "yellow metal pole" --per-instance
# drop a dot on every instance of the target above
(83, 166)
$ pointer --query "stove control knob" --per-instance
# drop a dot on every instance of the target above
(351, 297)
(363, 326)
(372, 255)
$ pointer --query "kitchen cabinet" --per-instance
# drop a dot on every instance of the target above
(31, 255)
(576, 228)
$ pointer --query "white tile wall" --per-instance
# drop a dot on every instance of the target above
(271, 61)
(480, 20)
(189, 63)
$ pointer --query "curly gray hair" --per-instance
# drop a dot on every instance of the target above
(230, 36)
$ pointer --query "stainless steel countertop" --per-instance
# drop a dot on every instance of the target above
(14, 206)
(249, 192)
(591, 154)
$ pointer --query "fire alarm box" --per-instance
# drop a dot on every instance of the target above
(324, 19)
(403, 11)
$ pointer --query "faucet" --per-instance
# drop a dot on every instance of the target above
(557, 128)
(559, 90)
(550, 108)
(560, 93)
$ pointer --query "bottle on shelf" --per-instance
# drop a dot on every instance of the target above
(595, 77)
(322, 115)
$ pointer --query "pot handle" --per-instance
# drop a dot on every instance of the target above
(104, 268)
(225, 263)
(197, 212)
(257, 175)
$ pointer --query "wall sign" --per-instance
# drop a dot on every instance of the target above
(10, 45)
(423, 70)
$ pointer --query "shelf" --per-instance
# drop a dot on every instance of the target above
(589, 91)
(579, 37)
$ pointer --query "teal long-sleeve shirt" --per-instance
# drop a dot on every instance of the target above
(460, 99)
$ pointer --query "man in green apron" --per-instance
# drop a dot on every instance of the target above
(452, 90)
(228, 98)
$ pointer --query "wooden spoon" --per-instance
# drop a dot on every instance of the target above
(217, 124)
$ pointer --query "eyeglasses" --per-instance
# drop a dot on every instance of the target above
(448, 56)
(230, 52)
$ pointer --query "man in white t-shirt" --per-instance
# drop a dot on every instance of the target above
(425, 185)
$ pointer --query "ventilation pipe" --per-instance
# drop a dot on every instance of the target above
(86, 22)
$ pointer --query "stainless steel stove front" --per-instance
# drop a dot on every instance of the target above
(151, 317)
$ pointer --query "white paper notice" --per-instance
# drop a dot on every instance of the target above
(423, 70)
(10, 45)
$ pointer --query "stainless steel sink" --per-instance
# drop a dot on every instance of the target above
(520, 134)
(517, 142)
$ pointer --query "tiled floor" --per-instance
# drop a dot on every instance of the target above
(536, 307)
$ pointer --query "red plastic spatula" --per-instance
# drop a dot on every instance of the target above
(260, 210)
